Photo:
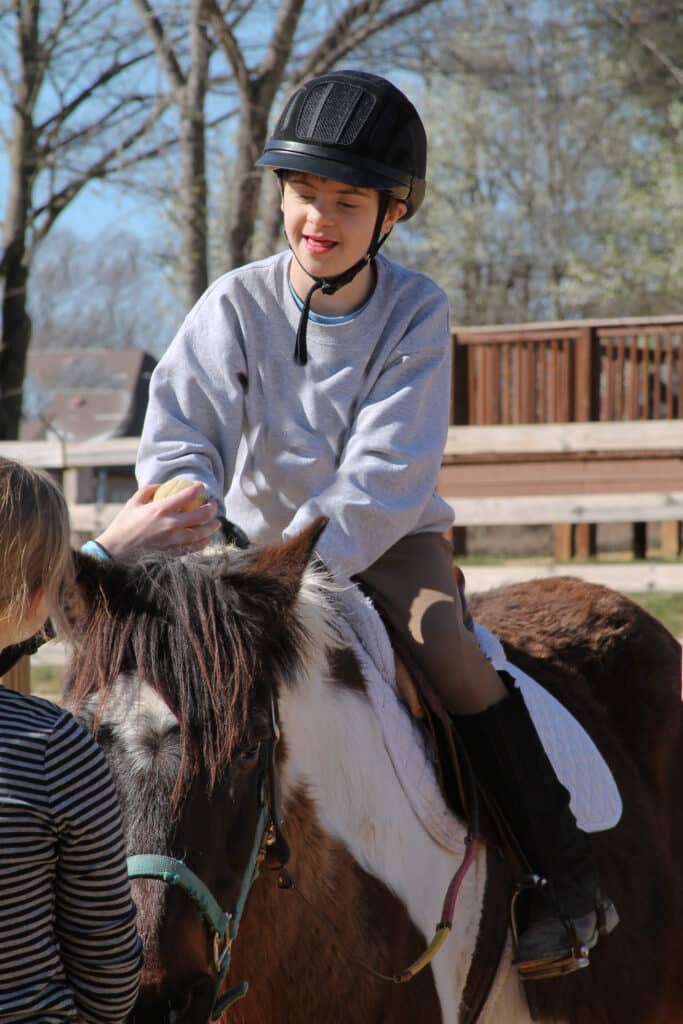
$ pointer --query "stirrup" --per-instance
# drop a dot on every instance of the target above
(541, 969)
(578, 956)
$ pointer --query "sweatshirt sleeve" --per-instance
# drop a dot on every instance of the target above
(392, 457)
(193, 422)
(100, 948)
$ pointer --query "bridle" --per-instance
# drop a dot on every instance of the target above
(268, 839)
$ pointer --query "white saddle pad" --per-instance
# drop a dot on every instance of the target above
(595, 799)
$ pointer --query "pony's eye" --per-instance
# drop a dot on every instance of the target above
(250, 755)
(104, 735)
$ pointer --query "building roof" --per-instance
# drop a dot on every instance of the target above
(85, 394)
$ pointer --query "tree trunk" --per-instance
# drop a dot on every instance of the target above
(270, 236)
(194, 256)
(16, 324)
(16, 335)
(246, 190)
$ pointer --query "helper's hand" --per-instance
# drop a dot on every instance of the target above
(147, 525)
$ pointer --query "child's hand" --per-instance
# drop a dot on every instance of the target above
(176, 524)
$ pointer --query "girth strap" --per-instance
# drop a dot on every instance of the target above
(491, 937)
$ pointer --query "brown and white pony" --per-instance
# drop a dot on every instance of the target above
(176, 670)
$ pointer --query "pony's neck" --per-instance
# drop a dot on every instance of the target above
(336, 752)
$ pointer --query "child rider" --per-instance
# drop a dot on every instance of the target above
(317, 381)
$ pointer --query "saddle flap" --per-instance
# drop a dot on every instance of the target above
(594, 796)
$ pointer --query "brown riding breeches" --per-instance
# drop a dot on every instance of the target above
(414, 586)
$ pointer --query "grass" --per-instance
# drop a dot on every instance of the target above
(668, 608)
(47, 680)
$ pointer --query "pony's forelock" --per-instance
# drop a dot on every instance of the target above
(167, 623)
(206, 633)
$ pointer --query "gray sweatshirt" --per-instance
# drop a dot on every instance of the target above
(357, 434)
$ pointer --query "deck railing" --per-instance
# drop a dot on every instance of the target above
(569, 371)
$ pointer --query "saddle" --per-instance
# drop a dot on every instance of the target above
(565, 743)
(579, 765)
(461, 794)
(456, 778)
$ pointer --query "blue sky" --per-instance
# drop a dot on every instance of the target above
(98, 208)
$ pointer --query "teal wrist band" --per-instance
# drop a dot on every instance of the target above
(95, 549)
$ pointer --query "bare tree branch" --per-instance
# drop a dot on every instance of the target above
(115, 70)
(50, 210)
(230, 46)
(646, 42)
(280, 47)
(164, 51)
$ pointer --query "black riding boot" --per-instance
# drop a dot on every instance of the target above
(559, 918)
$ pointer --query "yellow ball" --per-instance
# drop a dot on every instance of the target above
(178, 484)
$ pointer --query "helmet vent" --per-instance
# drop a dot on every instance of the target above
(334, 113)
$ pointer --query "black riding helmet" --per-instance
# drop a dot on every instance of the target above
(358, 128)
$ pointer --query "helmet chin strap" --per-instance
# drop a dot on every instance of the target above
(330, 285)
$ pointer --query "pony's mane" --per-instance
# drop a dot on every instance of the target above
(208, 633)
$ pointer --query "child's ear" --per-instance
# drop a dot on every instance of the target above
(34, 600)
(397, 209)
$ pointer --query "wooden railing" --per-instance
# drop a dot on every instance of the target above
(543, 473)
(569, 371)
(568, 473)
(573, 474)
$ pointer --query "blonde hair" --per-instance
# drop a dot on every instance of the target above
(35, 547)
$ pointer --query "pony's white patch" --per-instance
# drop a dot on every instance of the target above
(142, 721)
(336, 750)
(316, 612)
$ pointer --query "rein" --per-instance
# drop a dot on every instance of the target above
(223, 925)
(443, 928)
(445, 924)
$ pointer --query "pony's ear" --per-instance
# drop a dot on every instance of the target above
(89, 572)
(288, 561)
(93, 580)
(83, 595)
(302, 546)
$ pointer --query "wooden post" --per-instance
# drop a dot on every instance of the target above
(587, 379)
(639, 540)
(586, 407)
(585, 543)
(670, 542)
(460, 392)
(564, 542)
(19, 677)
(460, 413)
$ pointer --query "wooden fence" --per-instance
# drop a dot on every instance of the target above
(571, 475)
(574, 474)
(570, 371)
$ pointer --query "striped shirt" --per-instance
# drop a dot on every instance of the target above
(69, 948)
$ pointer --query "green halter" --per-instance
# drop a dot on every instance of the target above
(223, 925)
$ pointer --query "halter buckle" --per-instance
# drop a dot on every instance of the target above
(221, 956)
